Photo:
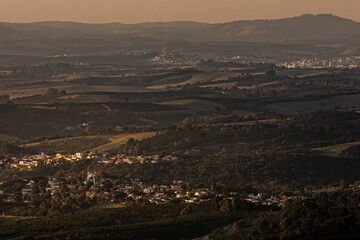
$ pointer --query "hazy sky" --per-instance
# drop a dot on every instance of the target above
(134, 11)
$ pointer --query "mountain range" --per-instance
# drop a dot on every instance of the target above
(81, 38)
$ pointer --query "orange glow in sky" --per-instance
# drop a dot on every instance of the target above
(134, 11)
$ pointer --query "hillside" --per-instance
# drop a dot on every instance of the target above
(306, 28)
(10, 149)
(79, 38)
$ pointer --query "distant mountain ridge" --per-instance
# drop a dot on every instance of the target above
(81, 38)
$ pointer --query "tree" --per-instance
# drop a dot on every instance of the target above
(263, 226)
(187, 210)
(226, 206)
(89, 129)
(18, 197)
(131, 142)
(270, 74)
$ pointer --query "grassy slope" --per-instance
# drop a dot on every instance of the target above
(116, 141)
(336, 149)
(113, 141)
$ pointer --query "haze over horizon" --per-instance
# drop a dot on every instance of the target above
(137, 11)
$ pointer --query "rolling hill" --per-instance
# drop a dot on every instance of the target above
(80, 38)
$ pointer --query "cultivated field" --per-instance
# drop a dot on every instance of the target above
(195, 104)
(198, 78)
(314, 105)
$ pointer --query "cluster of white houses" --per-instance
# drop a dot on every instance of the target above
(110, 191)
(107, 191)
(28, 163)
